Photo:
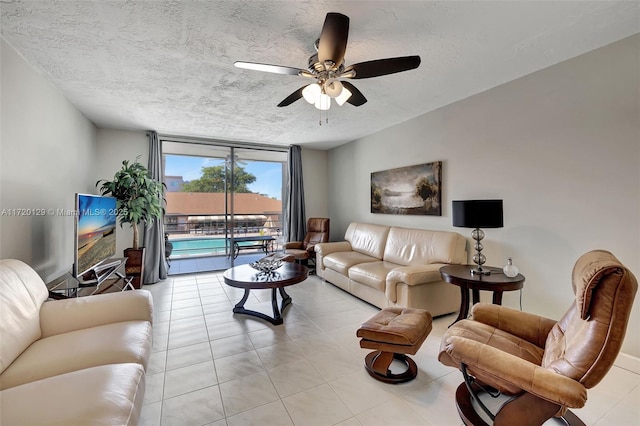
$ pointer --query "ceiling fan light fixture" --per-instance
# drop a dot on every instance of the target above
(324, 102)
(333, 88)
(327, 68)
(312, 93)
(343, 96)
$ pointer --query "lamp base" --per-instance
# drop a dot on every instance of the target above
(478, 258)
(480, 271)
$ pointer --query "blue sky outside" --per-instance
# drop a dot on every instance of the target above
(268, 174)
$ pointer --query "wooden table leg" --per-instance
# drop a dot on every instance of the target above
(476, 296)
(497, 297)
(286, 299)
(240, 304)
(464, 305)
(276, 319)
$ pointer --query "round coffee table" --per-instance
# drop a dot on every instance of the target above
(497, 282)
(244, 276)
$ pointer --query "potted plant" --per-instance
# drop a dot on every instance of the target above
(138, 200)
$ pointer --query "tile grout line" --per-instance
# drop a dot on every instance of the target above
(213, 361)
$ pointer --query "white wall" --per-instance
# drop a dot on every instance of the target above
(46, 156)
(314, 166)
(561, 147)
(112, 148)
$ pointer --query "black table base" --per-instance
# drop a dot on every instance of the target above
(277, 317)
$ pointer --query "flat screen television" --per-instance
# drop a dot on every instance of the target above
(95, 232)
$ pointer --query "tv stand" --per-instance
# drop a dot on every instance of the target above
(101, 272)
(107, 265)
(104, 278)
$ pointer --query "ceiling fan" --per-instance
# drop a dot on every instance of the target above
(327, 68)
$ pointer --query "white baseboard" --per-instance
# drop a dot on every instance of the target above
(628, 362)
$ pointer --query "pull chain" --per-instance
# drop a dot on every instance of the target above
(326, 118)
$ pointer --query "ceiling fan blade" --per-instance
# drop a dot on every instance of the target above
(292, 97)
(380, 67)
(333, 38)
(357, 98)
(276, 69)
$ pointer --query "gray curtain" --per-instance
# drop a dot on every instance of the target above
(296, 222)
(155, 266)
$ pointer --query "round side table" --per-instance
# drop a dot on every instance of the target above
(497, 282)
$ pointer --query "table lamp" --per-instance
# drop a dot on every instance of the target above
(478, 214)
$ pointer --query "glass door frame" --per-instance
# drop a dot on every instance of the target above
(229, 184)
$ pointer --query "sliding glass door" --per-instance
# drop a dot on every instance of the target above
(224, 204)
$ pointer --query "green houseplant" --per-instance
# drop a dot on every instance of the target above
(139, 199)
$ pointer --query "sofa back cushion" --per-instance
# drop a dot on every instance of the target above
(367, 238)
(22, 292)
(407, 246)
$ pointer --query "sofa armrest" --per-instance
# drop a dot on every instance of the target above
(411, 275)
(324, 249)
(530, 327)
(515, 371)
(327, 248)
(63, 316)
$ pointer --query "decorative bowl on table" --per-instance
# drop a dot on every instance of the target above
(266, 266)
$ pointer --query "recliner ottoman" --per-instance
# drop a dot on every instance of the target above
(394, 333)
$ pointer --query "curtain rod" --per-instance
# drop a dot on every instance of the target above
(215, 142)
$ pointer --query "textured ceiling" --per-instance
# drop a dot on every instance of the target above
(168, 65)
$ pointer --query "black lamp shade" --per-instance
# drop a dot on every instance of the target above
(477, 214)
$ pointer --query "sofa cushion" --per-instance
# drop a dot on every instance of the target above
(22, 292)
(420, 247)
(372, 274)
(367, 238)
(343, 260)
(122, 342)
(105, 395)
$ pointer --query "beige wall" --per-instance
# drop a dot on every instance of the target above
(314, 166)
(113, 147)
(47, 152)
(561, 147)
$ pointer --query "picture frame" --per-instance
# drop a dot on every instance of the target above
(411, 190)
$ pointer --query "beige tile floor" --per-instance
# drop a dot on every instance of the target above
(211, 367)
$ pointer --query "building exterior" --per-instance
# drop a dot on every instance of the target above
(207, 212)
(174, 183)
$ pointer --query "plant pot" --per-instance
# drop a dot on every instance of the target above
(135, 266)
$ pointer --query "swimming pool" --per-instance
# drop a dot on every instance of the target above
(198, 247)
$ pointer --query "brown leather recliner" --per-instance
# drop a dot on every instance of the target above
(547, 366)
(317, 232)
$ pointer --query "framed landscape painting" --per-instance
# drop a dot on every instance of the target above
(408, 190)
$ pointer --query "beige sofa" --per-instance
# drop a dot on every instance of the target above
(394, 266)
(74, 361)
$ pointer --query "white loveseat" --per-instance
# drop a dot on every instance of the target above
(70, 362)
(394, 266)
